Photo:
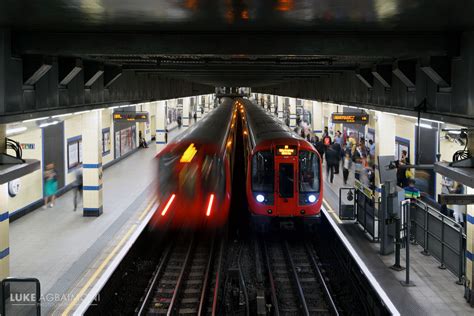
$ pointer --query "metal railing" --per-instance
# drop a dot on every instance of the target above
(440, 236)
(367, 212)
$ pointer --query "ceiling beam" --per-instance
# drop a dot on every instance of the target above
(383, 44)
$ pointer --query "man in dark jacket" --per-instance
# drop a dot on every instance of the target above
(332, 161)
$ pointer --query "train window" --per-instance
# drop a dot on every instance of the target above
(286, 175)
(263, 171)
(309, 172)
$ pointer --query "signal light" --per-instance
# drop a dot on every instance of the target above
(209, 206)
(168, 204)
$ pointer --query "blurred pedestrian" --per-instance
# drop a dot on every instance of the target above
(346, 167)
(332, 160)
(77, 188)
(50, 185)
(458, 210)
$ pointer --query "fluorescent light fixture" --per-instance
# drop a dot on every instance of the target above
(124, 106)
(425, 125)
(454, 132)
(82, 112)
(48, 124)
(16, 130)
(114, 107)
(61, 115)
(407, 116)
(36, 119)
(434, 121)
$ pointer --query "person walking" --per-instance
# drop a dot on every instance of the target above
(346, 167)
(332, 160)
(77, 188)
(319, 146)
(50, 185)
(458, 210)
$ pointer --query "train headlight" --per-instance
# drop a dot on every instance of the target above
(260, 198)
(312, 198)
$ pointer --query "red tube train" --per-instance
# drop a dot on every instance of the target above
(284, 184)
(194, 172)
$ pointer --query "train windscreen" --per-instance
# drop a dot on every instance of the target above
(263, 171)
(309, 172)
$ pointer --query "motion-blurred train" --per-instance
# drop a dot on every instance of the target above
(284, 184)
(194, 172)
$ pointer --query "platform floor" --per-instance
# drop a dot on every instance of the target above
(62, 248)
(435, 291)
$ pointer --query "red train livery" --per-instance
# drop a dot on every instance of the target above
(194, 172)
(284, 184)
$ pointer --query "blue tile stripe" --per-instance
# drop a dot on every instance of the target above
(4, 216)
(160, 130)
(92, 209)
(4, 253)
(469, 255)
(92, 187)
(317, 131)
(161, 142)
(92, 165)
(470, 219)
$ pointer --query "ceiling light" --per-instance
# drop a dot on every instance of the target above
(61, 115)
(48, 124)
(82, 112)
(36, 119)
(425, 125)
(16, 130)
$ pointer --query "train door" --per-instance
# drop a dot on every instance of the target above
(285, 183)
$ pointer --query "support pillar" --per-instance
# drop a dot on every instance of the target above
(317, 118)
(4, 219)
(384, 138)
(186, 109)
(201, 105)
(4, 234)
(92, 165)
(272, 104)
(292, 113)
(160, 123)
(281, 107)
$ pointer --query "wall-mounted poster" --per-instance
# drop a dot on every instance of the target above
(117, 144)
(106, 141)
(74, 152)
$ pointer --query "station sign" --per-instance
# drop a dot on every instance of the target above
(350, 118)
(131, 116)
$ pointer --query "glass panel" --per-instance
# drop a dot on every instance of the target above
(286, 180)
(263, 171)
(309, 172)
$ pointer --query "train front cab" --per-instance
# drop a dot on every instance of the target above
(284, 186)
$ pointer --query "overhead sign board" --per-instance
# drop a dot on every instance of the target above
(131, 116)
(350, 118)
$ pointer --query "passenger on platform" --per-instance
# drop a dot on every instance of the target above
(179, 121)
(327, 141)
(141, 140)
(195, 117)
(372, 151)
(402, 172)
(411, 192)
(166, 136)
(77, 188)
(339, 152)
(357, 159)
(346, 167)
(338, 138)
(458, 210)
(50, 185)
(319, 146)
(332, 161)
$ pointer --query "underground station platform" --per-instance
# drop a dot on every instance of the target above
(236, 158)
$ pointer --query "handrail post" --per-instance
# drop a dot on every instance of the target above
(397, 266)
(425, 246)
(461, 259)
(407, 225)
(442, 265)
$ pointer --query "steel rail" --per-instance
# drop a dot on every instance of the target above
(179, 283)
(271, 279)
(299, 288)
(205, 284)
(158, 272)
(218, 279)
(316, 268)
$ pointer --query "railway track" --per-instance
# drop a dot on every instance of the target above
(296, 284)
(187, 278)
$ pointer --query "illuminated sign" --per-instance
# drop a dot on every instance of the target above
(188, 154)
(131, 116)
(350, 118)
(286, 150)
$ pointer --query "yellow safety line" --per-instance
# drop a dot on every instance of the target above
(331, 211)
(104, 263)
(147, 208)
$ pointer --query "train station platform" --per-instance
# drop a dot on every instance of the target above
(68, 252)
(435, 291)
